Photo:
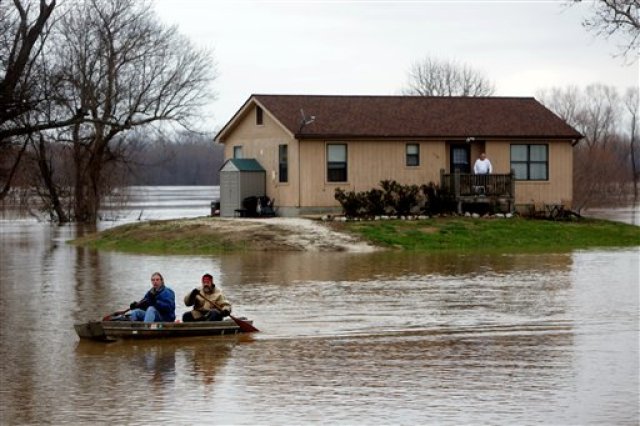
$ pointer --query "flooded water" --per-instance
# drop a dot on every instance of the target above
(378, 338)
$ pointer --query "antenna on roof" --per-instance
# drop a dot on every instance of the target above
(305, 121)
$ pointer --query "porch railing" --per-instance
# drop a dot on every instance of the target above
(464, 185)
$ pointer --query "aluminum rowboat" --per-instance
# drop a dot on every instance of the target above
(113, 330)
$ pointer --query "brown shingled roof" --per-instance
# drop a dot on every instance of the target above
(414, 117)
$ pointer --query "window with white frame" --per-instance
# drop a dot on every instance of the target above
(412, 154)
(283, 163)
(336, 162)
(530, 162)
(259, 116)
(237, 151)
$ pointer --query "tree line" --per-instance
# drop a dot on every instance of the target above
(607, 161)
(188, 159)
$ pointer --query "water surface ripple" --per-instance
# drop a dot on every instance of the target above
(378, 338)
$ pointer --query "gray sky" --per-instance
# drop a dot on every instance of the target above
(367, 48)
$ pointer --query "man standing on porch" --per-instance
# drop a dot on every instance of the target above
(482, 165)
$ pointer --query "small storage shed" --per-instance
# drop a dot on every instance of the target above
(240, 178)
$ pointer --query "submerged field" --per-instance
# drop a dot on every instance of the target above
(214, 235)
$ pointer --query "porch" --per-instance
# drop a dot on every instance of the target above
(494, 189)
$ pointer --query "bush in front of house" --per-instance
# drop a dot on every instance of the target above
(374, 204)
(394, 199)
(352, 202)
(402, 199)
(437, 201)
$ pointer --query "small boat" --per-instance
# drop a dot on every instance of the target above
(113, 330)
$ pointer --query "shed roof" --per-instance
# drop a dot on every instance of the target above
(409, 117)
(242, 165)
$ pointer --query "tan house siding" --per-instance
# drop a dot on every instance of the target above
(557, 190)
(261, 142)
(368, 163)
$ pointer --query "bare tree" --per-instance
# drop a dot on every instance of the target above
(621, 17)
(632, 104)
(565, 102)
(434, 77)
(124, 70)
(601, 174)
(600, 114)
(21, 36)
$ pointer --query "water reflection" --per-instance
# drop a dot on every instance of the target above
(292, 267)
(445, 378)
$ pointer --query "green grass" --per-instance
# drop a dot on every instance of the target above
(495, 235)
(453, 234)
(160, 237)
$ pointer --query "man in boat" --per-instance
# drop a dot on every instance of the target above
(158, 305)
(209, 304)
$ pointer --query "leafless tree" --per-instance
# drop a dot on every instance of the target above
(600, 115)
(632, 104)
(434, 77)
(616, 17)
(565, 102)
(115, 62)
(601, 172)
(22, 34)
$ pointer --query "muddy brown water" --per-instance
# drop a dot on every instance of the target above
(377, 338)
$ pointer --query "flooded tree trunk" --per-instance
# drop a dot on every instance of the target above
(50, 187)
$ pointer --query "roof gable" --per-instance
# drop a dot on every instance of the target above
(411, 117)
(241, 165)
(241, 114)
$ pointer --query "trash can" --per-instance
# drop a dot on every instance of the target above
(215, 207)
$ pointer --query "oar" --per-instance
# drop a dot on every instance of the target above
(245, 326)
(118, 313)
(115, 314)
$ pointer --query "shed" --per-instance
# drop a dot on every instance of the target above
(240, 178)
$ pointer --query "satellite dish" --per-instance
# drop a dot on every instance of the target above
(305, 121)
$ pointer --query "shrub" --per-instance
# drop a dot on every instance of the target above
(374, 204)
(351, 202)
(437, 201)
(396, 199)
(400, 199)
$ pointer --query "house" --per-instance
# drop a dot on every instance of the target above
(310, 145)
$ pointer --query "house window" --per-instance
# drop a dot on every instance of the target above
(283, 164)
(336, 163)
(530, 162)
(259, 118)
(412, 154)
(237, 151)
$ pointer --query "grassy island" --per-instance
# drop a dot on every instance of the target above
(496, 235)
(213, 236)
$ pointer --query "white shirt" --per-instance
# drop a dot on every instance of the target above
(482, 167)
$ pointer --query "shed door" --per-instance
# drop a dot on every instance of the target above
(459, 158)
(229, 193)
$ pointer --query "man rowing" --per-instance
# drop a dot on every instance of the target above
(209, 304)
(158, 304)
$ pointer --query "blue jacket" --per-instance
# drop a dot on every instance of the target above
(165, 303)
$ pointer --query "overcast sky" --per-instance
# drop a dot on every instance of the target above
(367, 47)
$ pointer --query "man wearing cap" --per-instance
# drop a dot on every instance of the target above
(209, 304)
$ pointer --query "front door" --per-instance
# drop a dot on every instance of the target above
(459, 156)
